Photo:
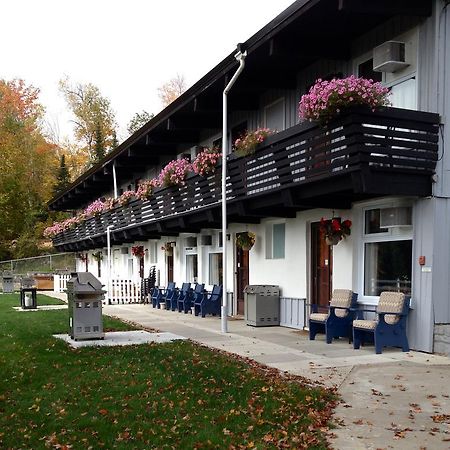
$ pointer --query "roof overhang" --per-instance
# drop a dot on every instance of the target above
(306, 31)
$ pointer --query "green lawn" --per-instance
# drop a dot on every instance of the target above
(174, 395)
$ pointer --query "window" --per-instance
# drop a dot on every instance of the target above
(274, 116)
(217, 143)
(372, 222)
(191, 268)
(387, 260)
(387, 267)
(238, 131)
(275, 240)
(153, 252)
(365, 70)
(215, 268)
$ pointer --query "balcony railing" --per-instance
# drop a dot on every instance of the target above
(391, 143)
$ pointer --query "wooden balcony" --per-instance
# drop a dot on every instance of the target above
(358, 156)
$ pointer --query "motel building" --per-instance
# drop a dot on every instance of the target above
(387, 171)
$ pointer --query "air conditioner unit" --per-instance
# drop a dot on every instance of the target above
(206, 239)
(190, 241)
(396, 217)
(389, 57)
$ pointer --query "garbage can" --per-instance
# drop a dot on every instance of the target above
(85, 295)
(28, 294)
(262, 305)
(8, 282)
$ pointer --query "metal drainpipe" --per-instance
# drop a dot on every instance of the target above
(114, 180)
(108, 244)
(240, 57)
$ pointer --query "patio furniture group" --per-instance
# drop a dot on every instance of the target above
(345, 319)
(188, 299)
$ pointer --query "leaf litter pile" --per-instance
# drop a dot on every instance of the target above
(178, 395)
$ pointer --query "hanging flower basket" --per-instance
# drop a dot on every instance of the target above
(206, 161)
(126, 198)
(246, 144)
(167, 248)
(98, 256)
(335, 230)
(174, 173)
(327, 99)
(138, 251)
(246, 240)
(82, 256)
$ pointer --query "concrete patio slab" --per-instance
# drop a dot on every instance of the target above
(122, 338)
(40, 308)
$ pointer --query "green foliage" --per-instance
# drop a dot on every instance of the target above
(138, 121)
(99, 144)
(94, 119)
(27, 165)
(175, 395)
(63, 177)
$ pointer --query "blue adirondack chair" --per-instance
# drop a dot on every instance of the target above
(196, 296)
(162, 294)
(210, 303)
(172, 299)
(186, 300)
(390, 327)
(156, 296)
(337, 322)
(182, 298)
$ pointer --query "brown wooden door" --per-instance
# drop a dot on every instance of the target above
(169, 259)
(321, 267)
(242, 272)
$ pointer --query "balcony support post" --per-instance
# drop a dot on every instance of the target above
(240, 57)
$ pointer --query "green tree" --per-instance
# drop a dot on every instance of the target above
(63, 177)
(99, 145)
(138, 121)
(94, 120)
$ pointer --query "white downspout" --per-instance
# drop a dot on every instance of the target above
(114, 180)
(109, 261)
(240, 56)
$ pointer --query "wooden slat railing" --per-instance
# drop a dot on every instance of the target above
(393, 139)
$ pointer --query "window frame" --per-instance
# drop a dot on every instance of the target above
(270, 105)
(392, 235)
(271, 225)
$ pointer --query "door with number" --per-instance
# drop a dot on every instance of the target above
(242, 277)
(321, 267)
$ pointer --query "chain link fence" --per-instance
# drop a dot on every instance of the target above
(47, 264)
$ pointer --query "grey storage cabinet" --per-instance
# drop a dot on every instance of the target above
(262, 305)
(85, 296)
(8, 282)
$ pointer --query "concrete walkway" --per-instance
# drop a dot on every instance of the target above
(391, 401)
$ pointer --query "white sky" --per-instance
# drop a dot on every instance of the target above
(127, 48)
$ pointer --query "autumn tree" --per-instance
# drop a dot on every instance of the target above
(138, 121)
(171, 90)
(94, 120)
(27, 169)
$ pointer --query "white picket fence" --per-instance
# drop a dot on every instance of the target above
(60, 282)
(125, 291)
(122, 291)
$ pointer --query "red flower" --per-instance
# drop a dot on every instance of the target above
(335, 225)
(347, 223)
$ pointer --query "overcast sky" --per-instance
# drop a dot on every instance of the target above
(127, 48)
